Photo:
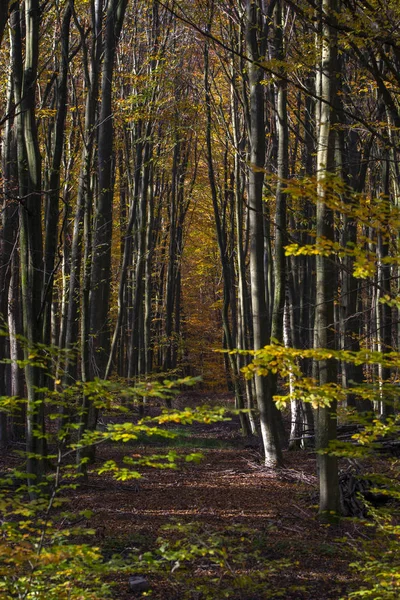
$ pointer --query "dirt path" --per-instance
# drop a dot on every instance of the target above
(227, 489)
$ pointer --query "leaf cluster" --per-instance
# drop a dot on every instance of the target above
(41, 550)
(213, 563)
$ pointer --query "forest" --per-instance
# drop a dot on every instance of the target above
(199, 299)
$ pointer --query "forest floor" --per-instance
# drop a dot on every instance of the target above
(252, 534)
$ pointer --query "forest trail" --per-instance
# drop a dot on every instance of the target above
(228, 490)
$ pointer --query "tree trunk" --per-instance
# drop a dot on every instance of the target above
(54, 193)
(257, 29)
(226, 270)
(8, 239)
(325, 273)
(31, 256)
(99, 329)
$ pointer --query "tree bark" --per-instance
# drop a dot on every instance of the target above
(31, 256)
(8, 239)
(52, 204)
(99, 328)
(257, 30)
(324, 337)
(227, 274)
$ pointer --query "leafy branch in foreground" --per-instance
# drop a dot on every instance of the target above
(378, 553)
(286, 362)
(41, 549)
(211, 563)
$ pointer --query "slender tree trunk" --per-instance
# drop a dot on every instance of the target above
(142, 189)
(256, 27)
(148, 292)
(226, 271)
(8, 239)
(173, 258)
(325, 272)
(16, 351)
(53, 197)
(244, 328)
(384, 276)
(99, 329)
(283, 173)
(31, 255)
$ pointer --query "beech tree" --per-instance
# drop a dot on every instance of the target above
(257, 28)
(30, 237)
(325, 275)
(101, 260)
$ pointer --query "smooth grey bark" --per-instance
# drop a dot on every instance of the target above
(10, 272)
(326, 419)
(16, 351)
(278, 290)
(142, 144)
(256, 35)
(31, 256)
(384, 277)
(99, 329)
(52, 203)
(8, 238)
(282, 176)
(244, 338)
(135, 246)
(148, 280)
(170, 291)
